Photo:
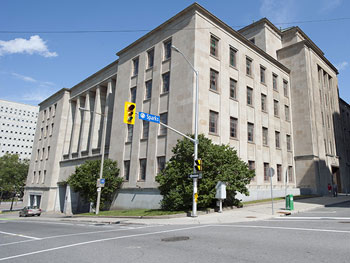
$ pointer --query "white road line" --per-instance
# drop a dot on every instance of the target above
(100, 240)
(287, 228)
(19, 235)
(315, 217)
(75, 234)
(323, 212)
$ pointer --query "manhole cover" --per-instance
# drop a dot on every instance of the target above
(174, 239)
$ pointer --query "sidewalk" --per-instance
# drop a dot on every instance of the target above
(248, 213)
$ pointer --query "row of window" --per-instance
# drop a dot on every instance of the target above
(15, 132)
(17, 126)
(50, 112)
(46, 132)
(251, 165)
(15, 139)
(15, 110)
(14, 119)
(37, 178)
(18, 146)
(142, 168)
(213, 128)
(150, 57)
(145, 128)
(214, 85)
(14, 152)
(42, 155)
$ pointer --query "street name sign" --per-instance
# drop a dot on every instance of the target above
(149, 117)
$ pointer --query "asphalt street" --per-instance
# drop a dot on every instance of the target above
(321, 235)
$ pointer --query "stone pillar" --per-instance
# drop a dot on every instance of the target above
(84, 136)
(96, 119)
(76, 128)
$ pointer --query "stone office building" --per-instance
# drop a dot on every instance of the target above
(260, 91)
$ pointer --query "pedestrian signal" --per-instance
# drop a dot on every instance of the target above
(198, 165)
(129, 112)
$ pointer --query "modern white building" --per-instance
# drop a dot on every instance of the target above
(260, 90)
(17, 128)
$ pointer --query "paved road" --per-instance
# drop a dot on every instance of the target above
(321, 235)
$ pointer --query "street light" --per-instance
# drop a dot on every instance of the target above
(195, 180)
(103, 141)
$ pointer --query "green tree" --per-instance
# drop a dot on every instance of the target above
(220, 163)
(85, 177)
(13, 174)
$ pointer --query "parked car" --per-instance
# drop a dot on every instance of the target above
(30, 211)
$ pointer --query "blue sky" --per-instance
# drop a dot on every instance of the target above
(35, 65)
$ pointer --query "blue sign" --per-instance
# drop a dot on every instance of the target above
(102, 181)
(149, 117)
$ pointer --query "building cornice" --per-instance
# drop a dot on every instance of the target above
(213, 18)
(261, 21)
(54, 95)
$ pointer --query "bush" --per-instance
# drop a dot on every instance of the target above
(220, 163)
(85, 177)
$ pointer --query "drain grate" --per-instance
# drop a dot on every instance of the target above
(174, 239)
(250, 217)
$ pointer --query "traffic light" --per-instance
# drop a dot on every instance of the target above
(198, 165)
(129, 112)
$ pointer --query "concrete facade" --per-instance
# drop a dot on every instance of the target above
(17, 128)
(258, 91)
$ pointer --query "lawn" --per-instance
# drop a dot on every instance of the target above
(135, 212)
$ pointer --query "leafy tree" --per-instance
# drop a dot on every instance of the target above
(13, 174)
(220, 163)
(85, 177)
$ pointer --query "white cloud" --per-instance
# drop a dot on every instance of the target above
(34, 45)
(342, 65)
(37, 95)
(277, 11)
(25, 78)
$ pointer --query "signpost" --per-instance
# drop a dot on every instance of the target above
(271, 173)
(149, 117)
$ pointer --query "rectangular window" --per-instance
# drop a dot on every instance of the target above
(277, 139)
(249, 66)
(274, 81)
(126, 170)
(148, 90)
(143, 163)
(250, 132)
(163, 119)
(44, 176)
(322, 118)
(130, 132)
(214, 47)
(262, 74)
(286, 112)
(233, 58)
(275, 108)
(279, 173)
(135, 66)
(166, 82)
(249, 96)
(265, 134)
(214, 80)
(51, 131)
(167, 49)
(150, 58)
(266, 171)
(133, 95)
(233, 89)
(145, 129)
(263, 102)
(233, 127)
(161, 163)
(38, 179)
(285, 88)
(289, 145)
(251, 166)
(290, 174)
(48, 152)
(42, 154)
(213, 122)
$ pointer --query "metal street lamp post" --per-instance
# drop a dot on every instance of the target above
(195, 180)
(103, 141)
